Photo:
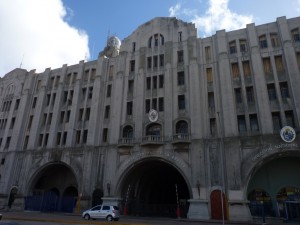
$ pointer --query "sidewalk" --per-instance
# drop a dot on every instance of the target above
(70, 218)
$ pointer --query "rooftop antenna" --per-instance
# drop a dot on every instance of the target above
(21, 62)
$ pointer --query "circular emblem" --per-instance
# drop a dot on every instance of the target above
(153, 115)
(288, 134)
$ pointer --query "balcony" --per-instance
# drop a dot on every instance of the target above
(125, 142)
(181, 138)
(152, 140)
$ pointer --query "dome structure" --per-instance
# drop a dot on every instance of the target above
(112, 48)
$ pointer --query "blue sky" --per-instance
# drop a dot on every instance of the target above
(37, 34)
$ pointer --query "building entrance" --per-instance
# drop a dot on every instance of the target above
(53, 189)
(274, 190)
(155, 188)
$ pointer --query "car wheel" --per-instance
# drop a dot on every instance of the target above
(109, 218)
(87, 217)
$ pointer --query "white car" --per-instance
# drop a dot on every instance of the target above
(108, 212)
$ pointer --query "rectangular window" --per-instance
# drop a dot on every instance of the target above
(87, 114)
(279, 64)
(232, 47)
(207, 53)
(78, 133)
(246, 69)
(53, 99)
(93, 75)
(74, 77)
(154, 82)
(7, 142)
(62, 116)
(161, 81)
(12, 123)
(289, 115)
(155, 61)
(64, 140)
(161, 60)
(130, 87)
(85, 135)
(68, 116)
(70, 97)
(154, 103)
(209, 74)
(276, 121)
(65, 96)
(267, 65)
(132, 65)
(180, 78)
(58, 137)
(253, 122)
(180, 56)
(90, 94)
(129, 108)
(104, 135)
(161, 104)
(250, 94)
(80, 116)
(181, 102)
(48, 99)
(17, 104)
(49, 119)
(180, 36)
(235, 70)
(26, 142)
(46, 139)
(238, 96)
(213, 127)
(149, 62)
(284, 90)
(133, 46)
(108, 91)
(30, 122)
(271, 92)
(107, 111)
(44, 119)
(211, 100)
(86, 75)
(274, 40)
(298, 59)
(147, 105)
(242, 124)
(243, 46)
(295, 35)
(34, 102)
(148, 81)
(41, 139)
(263, 41)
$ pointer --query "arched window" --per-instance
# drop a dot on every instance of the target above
(182, 127)
(153, 130)
(128, 132)
(158, 40)
(150, 42)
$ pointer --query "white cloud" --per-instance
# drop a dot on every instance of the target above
(36, 31)
(218, 16)
(173, 11)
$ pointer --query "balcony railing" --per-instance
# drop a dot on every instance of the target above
(126, 142)
(152, 140)
(181, 138)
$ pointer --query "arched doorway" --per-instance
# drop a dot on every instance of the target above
(12, 195)
(217, 205)
(149, 189)
(53, 188)
(275, 184)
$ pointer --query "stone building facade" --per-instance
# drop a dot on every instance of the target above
(161, 121)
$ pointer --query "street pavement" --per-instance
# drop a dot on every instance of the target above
(32, 218)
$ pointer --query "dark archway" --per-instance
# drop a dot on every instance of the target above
(149, 189)
(274, 177)
(54, 188)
